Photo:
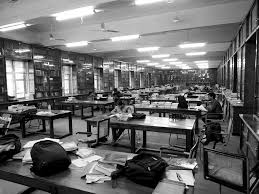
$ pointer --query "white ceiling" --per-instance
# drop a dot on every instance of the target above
(212, 21)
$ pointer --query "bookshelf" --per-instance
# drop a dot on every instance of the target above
(47, 76)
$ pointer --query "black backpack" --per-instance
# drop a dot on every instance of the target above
(145, 169)
(48, 158)
(9, 145)
(138, 115)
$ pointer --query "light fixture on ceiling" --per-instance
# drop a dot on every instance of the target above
(203, 61)
(77, 44)
(74, 13)
(38, 57)
(22, 50)
(175, 62)
(169, 60)
(195, 54)
(202, 65)
(124, 38)
(160, 56)
(176, 19)
(192, 45)
(152, 64)
(108, 63)
(166, 67)
(143, 61)
(13, 26)
(148, 49)
(144, 2)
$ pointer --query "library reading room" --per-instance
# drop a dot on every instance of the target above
(129, 96)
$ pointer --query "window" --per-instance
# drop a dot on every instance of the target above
(98, 77)
(131, 79)
(116, 78)
(20, 76)
(69, 80)
(142, 80)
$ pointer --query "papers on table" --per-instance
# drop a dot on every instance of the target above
(115, 158)
(183, 163)
(169, 187)
(27, 157)
(84, 152)
(202, 108)
(30, 144)
(184, 176)
(45, 113)
(69, 146)
(81, 162)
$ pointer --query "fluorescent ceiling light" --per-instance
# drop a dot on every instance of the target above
(13, 26)
(192, 45)
(77, 44)
(151, 64)
(168, 60)
(38, 57)
(121, 38)
(195, 53)
(160, 56)
(108, 63)
(165, 67)
(186, 67)
(143, 61)
(74, 13)
(204, 61)
(144, 2)
(147, 49)
(22, 50)
(175, 62)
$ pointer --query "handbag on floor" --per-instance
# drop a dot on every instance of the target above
(48, 158)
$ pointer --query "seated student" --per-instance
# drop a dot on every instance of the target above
(182, 103)
(213, 107)
(116, 95)
(120, 108)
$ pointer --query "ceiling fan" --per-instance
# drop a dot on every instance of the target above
(104, 29)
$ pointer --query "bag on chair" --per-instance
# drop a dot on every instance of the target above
(48, 158)
(212, 133)
(9, 145)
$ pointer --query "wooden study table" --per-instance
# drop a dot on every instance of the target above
(157, 124)
(55, 114)
(165, 109)
(162, 100)
(70, 181)
(85, 104)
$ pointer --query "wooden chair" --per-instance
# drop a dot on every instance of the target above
(230, 170)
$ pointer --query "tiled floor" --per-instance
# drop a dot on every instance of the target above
(154, 140)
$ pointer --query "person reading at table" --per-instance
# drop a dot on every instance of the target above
(213, 106)
(121, 108)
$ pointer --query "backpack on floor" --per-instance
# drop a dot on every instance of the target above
(9, 145)
(48, 158)
(144, 169)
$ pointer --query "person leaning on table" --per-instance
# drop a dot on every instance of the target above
(121, 108)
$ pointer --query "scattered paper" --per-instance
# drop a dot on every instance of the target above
(186, 176)
(69, 146)
(27, 157)
(84, 152)
(82, 162)
(30, 144)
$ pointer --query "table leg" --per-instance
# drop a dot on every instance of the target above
(189, 140)
(197, 124)
(92, 110)
(73, 109)
(51, 128)
(144, 143)
(22, 125)
(160, 114)
(132, 139)
(43, 125)
(69, 123)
